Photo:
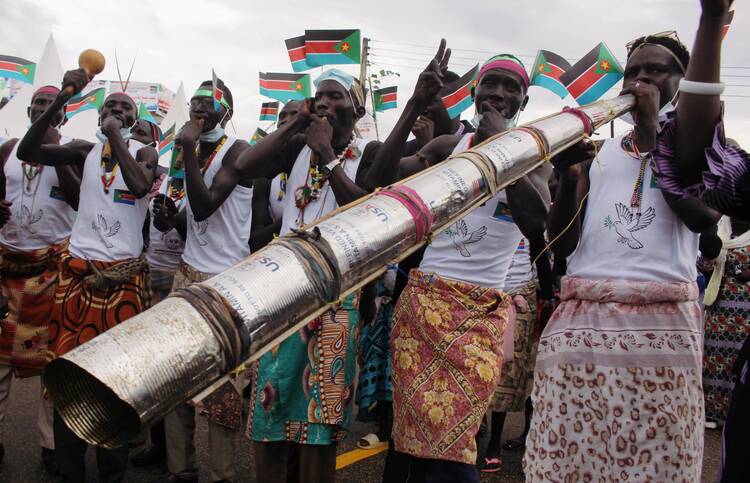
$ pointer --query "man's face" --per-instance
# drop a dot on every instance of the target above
(202, 107)
(333, 102)
(39, 105)
(501, 89)
(143, 132)
(289, 110)
(120, 106)
(654, 65)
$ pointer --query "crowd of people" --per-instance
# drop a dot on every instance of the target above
(574, 294)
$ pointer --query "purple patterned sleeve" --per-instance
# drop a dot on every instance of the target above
(725, 185)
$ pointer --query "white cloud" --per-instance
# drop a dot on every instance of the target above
(182, 40)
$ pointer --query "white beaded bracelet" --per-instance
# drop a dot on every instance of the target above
(701, 88)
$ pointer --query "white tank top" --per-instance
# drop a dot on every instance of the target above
(293, 217)
(614, 243)
(164, 248)
(221, 240)
(109, 226)
(479, 247)
(276, 197)
(520, 272)
(40, 215)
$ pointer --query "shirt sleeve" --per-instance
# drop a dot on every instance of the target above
(725, 185)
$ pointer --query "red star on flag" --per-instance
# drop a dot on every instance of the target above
(345, 46)
(604, 65)
(298, 86)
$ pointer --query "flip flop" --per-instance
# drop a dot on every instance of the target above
(370, 441)
(491, 465)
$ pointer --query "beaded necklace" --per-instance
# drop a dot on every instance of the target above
(315, 180)
(630, 146)
(30, 171)
(108, 178)
(178, 194)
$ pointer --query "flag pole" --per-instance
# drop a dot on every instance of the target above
(612, 128)
(374, 111)
(363, 63)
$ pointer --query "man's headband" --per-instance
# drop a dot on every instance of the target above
(46, 90)
(505, 62)
(348, 82)
(665, 48)
(210, 93)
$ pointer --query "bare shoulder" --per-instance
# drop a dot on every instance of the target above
(6, 148)
(234, 152)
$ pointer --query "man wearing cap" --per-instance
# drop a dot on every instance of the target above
(31, 243)
(103, 274)
(301, 404)
(216, 213)
(617, 380)
(452, 325)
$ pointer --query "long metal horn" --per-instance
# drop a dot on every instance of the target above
(110, 387)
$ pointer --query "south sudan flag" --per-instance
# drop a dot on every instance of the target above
(285, 87)
(17, 68)
(79, 103)
(547, 70)
(257, 136)
(457, 95)
(385, 98)
(167, 141)
(269, 111)
(124, 197)
(297, 54)
(323, 47)
(593, 75)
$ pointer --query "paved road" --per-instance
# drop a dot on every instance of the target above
(22, 461)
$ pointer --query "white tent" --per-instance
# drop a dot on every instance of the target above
(49, 69)
(82, 126)
(177, 116)
(14, 120)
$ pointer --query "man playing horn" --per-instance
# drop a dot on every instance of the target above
(301, 405)
(453, 312)
(618, 373)
(103, 274)
(216, 214)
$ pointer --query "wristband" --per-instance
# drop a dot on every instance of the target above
(701, 88)
(327, 170)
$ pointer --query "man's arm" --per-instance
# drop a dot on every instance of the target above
(5, 150)
(32, 147)
(276, 152)
(697, 115)
(204, 201)
(69, 177)
(138, 172)
(434, 152)
(573, 166)
(385, 168)
(692, 212)
(263, 227)
(529, 200)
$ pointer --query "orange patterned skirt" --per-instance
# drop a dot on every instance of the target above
(82, 312)
(28, 282)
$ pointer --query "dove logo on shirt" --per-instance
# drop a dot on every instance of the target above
(627, 224)
(462, 239)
